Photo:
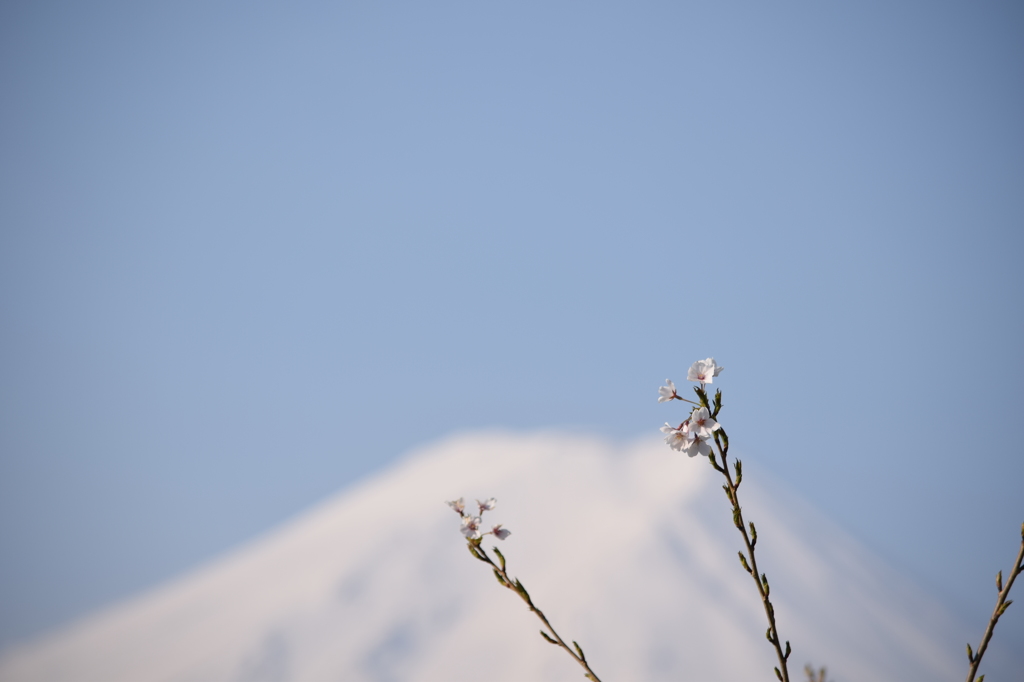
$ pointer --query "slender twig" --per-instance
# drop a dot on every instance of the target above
(513, 584)
(813, 676)
(1001, 605)
(749, 561)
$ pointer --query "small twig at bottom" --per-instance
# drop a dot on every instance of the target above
(1001, 605)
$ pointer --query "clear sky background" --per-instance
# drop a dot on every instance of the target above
(253, 252)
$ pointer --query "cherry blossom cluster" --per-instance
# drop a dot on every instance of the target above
(472, 524)
(693, 434)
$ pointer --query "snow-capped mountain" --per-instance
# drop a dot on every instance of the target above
(628, 550)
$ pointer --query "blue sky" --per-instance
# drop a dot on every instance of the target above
(253, 252)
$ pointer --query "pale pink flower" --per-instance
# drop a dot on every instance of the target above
(487, 505)
(701, 423)
(676, 436)
(471, 527)
(696, 446)
(667, 392)
(458, 505)
(500, 533)
(703, 371)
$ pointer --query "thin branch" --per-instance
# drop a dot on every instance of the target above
(513, 584)
(749, 562)
(1001, 605)
(813, 676)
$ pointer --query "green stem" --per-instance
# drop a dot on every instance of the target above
(762, 582)
(1001, 604)
(517, 587)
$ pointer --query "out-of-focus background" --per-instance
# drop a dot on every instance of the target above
(252, 252)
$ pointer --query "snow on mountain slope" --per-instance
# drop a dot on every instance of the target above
(630, 551)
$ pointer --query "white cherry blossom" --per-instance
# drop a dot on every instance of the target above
(703, 371)
(487, 504)
(458, 505)
(500, 533)
(676, 436)
(701, 423)
(696, 446)
(667, 392)
(471, 527)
